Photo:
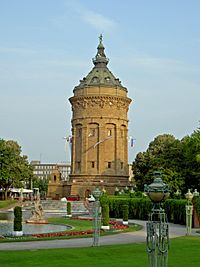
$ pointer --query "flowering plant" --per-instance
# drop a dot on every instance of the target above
(88, 232)
(115, 225)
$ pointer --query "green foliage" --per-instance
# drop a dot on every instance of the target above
(175, 210)
(42, 184)
(104, 199)
(17, 218)
(178, 161)
(139, 208)
(191, 164)
(14, 167)
(69, 208)
(105, 214)
(125, 209)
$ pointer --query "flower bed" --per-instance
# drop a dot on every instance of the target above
(88, 232)
(114, 225)
(117, 225)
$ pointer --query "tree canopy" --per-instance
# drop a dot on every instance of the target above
(178, 160)
(14, 167)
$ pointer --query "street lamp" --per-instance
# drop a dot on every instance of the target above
(157, 240)
(195, 193)
(96, 217)
(189, 210)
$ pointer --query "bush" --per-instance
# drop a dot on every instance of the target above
(69, 208)
(175, 210)
(105, 215)
(140, 208)
(125, 212)
(17, 218)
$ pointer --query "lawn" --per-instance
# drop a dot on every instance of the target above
(184, 252)
(78, 225)
(6, 203)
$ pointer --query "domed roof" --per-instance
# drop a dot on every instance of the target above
(100, 75)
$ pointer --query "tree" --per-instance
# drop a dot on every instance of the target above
(191, 159)
(42, 184)
(164, 154)
(178, 160)
(14, 167)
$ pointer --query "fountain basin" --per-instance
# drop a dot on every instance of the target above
(6, 228)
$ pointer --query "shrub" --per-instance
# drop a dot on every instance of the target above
(175, 210)
(17, 218)
(69, 208)
(140, 208)
(125, 212)
(105, 215)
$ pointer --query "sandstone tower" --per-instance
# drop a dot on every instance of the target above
(99, 130)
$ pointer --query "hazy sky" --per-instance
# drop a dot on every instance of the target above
(47, 46)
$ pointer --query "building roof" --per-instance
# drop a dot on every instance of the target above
(100, 75)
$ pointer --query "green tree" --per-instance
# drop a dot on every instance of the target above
(191, 160)
(164, 154)
(14, 167)
(42, 184)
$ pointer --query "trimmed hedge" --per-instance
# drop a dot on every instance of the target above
(139, 208)
(69, 208)
(125, 212)
(17, 218)
(175, 210)
(105, 215)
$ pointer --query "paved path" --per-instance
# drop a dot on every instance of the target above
(124, 238)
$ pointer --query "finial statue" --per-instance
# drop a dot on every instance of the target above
(100, 38)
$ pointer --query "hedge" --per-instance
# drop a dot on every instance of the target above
(125, 212)
(17, 218)
(139, 208)
(105, 215)
(69, 208)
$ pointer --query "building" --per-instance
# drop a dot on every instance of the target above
(45, 170)
(99, 130)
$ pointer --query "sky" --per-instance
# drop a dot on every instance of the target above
(47, 46)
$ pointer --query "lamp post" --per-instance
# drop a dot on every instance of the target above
(96, 217)
(157, 240)
(189, 210)
(195, 193)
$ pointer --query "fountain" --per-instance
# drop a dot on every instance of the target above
(37, 213)
(34, 221)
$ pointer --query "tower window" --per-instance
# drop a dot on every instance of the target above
(109, 132)
(92, 132)
(122, 165)
(54, 177)
(109, 165)
(93, 164)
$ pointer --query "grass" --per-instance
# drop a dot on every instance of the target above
(184, 252)
(6, 203)
(79, 225)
